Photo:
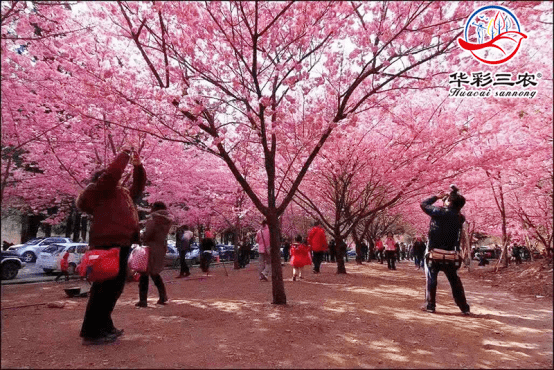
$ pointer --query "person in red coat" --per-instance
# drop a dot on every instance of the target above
(318, 243)
(300, 257)
(115, 224)
(64, 267)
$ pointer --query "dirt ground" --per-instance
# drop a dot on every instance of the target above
(369, 318)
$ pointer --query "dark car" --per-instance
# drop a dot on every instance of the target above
(226, 252)
(11, 263)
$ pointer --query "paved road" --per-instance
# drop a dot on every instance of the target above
(33, 274)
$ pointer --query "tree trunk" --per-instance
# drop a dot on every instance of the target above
(29, 226)
(47, 229)
(69, 223)
(358, 248)
(77, 226)
(278, 286)
(236, 239)
(341, 268)
(84, 226)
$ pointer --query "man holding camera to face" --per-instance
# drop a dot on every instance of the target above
(445, 234)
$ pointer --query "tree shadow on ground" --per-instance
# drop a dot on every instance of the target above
(368, 318)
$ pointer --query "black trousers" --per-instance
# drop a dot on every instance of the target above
(143, 286)
(451, 272)
(317, 259)
(184, 266)
(102, 300)
(391, 259)
(205, 259)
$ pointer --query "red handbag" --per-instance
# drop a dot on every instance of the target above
(100, 264)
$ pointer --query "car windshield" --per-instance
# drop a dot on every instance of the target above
(32, 241)
(52, 248)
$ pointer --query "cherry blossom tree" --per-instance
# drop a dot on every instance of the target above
(261, 86)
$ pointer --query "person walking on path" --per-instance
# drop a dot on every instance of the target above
(207, 245)
(262, 238)
(286, 249)
(419, 252)
(115, 224)
(318, 244)
(380, 250)
(445, 232)
(300, 257)
(154, 237)
(183, 239)
(64, 267)
(390, 251)
(332, 251)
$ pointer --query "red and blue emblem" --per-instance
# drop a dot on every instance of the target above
(492, 34)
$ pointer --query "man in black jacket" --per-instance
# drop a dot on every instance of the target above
(445, 230)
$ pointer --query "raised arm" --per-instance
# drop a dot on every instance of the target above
(139, 178)
(428, 207)
(107, 182)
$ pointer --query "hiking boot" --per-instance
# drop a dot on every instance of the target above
(105, 339)
(141, 304)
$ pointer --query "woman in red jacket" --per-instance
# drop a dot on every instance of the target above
(300, 257)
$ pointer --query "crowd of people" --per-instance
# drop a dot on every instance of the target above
(115, 224)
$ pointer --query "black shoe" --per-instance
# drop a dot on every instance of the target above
(428, 309)
(117, 332)
(141, 304)
(162, 301)
(109, 338)
(294, 278)
(466, 313)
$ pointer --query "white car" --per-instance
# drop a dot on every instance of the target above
(30, 250)
(49, 259)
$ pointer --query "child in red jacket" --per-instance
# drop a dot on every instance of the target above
(64, 266)
(300, 257)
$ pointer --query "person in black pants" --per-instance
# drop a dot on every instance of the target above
(286, 250)
(206, 247)
(445, 232)
(115, 224)
(183, 239)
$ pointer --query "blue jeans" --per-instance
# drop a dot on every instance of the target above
(432, 271)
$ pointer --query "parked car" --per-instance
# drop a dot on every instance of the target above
(47, 260)
(30, 250)
(193, 255)
(226, 252)
(76, 253)
(487, 252)
(172, 255)
(10, 264)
